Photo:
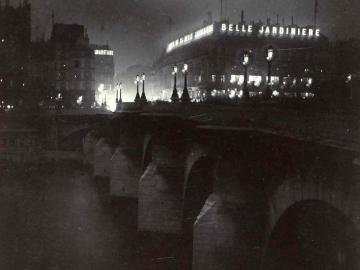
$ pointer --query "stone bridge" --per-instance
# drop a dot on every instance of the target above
(256, 186)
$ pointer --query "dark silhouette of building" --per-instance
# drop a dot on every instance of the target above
(15, 39)
(73, 63)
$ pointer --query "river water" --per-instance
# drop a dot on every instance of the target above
(59, 217)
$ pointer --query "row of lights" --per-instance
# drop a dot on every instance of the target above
(269, 56)
(245, 62)
(142, 98)
(6, 107)
(185, 97)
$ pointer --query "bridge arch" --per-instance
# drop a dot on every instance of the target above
(74, 140)
(147, 152)
(198, 185)
(313, 234)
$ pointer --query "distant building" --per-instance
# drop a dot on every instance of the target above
(213, 54)
(104, 72)
(73, 63)
(15, 40)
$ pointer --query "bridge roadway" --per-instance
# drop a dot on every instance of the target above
(257, 186)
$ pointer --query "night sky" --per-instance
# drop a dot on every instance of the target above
(136, 29)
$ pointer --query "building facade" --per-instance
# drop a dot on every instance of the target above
(73, 63)
(214, 52)
(104, 74)
(15, 40)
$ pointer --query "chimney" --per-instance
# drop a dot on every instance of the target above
(292, 20)
(283, 21)
(268, 21)
(277, 19)
(242, 16)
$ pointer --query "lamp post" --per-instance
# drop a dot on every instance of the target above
(270, 55)
(137, 97)
(245, 63)
(120, 92)
(348, 83)
(143, 96)
(118, 96)
(185, 95)
(175, 95)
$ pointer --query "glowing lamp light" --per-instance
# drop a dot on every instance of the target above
(101, 87)
(246, 59)
(143, 77)
(79, 100)
(270, 53)
(175, 70)
(309, 83)
(137, 79)
(348, 78)
(185, 69)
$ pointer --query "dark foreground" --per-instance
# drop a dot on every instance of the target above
(58, 217)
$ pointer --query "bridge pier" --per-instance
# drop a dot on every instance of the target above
(126, 163)
(125, 172)
(161, 185)
(230, 229)
(160, 202)
(102, 155)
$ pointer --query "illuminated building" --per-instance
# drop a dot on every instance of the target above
(104, 71)
(213, 54)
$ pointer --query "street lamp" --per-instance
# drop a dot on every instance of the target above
(270, 55)
(175, 95)
(185, 95)
(118, 96)
(120, 92)
(137, 97)
(143, 96)
(348, 83)
(245, 63)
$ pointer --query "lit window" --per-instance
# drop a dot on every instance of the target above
(213, 78)
(239, 79)
(273, 80)
(255, 79)
(222, 78)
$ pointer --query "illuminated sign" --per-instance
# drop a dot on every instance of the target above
(245, 29)
(275, 31)
(104, 52)
(199, 34)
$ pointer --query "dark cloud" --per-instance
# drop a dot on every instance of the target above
(136, 29)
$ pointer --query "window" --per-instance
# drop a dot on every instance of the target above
(213, 78)
(222, 78)
(76, 63)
